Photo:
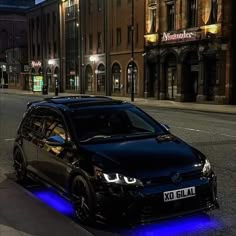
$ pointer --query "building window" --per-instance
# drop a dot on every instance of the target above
(55, 48)
(112, 38)
(118, 3)
(118, 37)
(89, 6)
(101, 78)
(54, 18)
(38, 50)
(49, 48)
(129, 34)
(214, 11)
(32, 24)
(48, 19)
(99, 5)
(152, 6)
(116, 78)
(192, 13)
(90, 42)
(170, 16)
(88, 79)
(37, 22)
(33, 50)
(99, 42)
(137, 33)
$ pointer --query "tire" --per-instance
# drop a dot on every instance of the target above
(83, 200)
(20, 167)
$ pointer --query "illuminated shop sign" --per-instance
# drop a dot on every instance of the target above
(36, 64)
(37, 83)
(168, 37)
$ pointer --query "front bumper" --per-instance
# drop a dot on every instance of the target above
(146, 204)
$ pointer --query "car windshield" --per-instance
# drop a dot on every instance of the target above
(103, 124)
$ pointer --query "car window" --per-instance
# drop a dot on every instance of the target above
(139, 123)
(54, 125)
(34, 121)
(112, 122)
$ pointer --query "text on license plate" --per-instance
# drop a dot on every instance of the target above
(179, 194)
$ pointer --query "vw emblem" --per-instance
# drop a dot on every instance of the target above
(176, 178)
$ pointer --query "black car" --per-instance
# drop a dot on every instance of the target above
(112, 159)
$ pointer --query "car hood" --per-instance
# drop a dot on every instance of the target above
(144, 157)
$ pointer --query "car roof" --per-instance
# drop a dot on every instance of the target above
(78, 101)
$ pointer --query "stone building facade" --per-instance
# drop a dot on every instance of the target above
(189, 50)
(102, 32)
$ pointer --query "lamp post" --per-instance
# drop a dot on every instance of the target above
(132, 50)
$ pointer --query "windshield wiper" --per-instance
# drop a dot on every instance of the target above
(95, 137)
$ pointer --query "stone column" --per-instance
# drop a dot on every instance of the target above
(180, 83)
(163, 85)
(201, 77)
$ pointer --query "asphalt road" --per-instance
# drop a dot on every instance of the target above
(213, 134)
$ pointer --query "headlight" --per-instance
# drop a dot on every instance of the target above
(206, 168)
(120, 179)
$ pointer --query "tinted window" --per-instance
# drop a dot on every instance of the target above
(125, 121)
(34, 121)
(54, 125)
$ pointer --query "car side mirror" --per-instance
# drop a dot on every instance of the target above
(55, 141)
(166, 127)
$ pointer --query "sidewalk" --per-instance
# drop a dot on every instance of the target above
(225, 109)
(23, 215)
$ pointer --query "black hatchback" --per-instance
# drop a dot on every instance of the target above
(112, 160)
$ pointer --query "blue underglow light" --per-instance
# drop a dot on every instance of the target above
(55, 201)
(197, 224)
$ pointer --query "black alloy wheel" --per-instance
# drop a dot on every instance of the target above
(83, 200)
(20, 167)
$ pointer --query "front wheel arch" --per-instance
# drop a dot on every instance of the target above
(90, 199)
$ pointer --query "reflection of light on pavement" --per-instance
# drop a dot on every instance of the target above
(55, 201)
(198, 224)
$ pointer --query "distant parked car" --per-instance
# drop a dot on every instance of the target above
(112, 159)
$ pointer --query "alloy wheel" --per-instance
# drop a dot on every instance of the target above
(82, 200)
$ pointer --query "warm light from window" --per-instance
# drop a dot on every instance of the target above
(151, 38)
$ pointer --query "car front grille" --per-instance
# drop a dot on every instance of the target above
(155, 208)
(167, 179)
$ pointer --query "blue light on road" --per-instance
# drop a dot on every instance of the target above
(197, 224)
(55, 201)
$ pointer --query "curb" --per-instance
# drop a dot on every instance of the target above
(141, 104)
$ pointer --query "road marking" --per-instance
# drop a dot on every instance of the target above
(228, 135)
(9, 139)
(203, 131)
(190, 129)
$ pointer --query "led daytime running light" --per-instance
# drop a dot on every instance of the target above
(132, 181)
(109, 180)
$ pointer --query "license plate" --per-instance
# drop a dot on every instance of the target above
(179, 194)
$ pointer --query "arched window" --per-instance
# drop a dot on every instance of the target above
(116, 78)
(88, 79)
(100, 78)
